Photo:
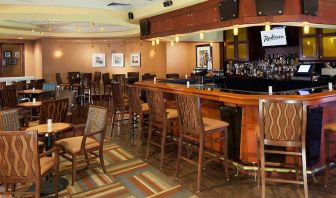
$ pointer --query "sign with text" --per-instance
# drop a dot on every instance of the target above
(274, 37)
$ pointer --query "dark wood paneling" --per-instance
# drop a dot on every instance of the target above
(204, 16)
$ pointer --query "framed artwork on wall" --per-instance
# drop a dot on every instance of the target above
(135, 59)
(16, 54)
(98, 60)
(204, 56)
(12, 61)
(117, 59)
(7, 54)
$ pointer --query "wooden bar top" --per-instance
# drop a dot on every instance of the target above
(241, 98)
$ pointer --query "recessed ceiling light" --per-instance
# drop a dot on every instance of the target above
(33, 30)
(20, 38)
(102, 29)
(49, 29)
(78, 29)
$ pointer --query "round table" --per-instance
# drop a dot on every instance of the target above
(47, 187)
(30, 104)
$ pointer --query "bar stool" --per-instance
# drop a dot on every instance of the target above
(118, 106)
(96, 84)
(200, 130)
(282, 125)
(137, 114)
(329, 130)
(160, 119)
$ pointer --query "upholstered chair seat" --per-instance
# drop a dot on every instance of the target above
(73, 145)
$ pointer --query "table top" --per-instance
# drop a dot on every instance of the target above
(36, 91)
(55, 128)
(30, 104)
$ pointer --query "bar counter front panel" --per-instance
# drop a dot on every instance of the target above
(213, 98)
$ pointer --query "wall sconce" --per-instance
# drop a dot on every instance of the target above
(157, 41)
(153, 42)
(211, 43)
(267, 27)
(172, 43)
(306, 29)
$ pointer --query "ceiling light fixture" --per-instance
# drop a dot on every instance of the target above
(153, 42)
(177, 39)
(33, 30)
(235, 31)
(79, 30)
(202, 35)
(157, 41)
(211, 43)
(20, 38)
(49, 29)
(305, 27)
(267, 27)
(102, 29)
(41, 33)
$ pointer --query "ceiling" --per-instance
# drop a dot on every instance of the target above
(32, 19)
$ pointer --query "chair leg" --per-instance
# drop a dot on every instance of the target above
(225, 149)
(38, 188)
(178, 156)
(56, 177)
(150, 131)
(139, 135)
(200, 164)
(87, 159)
(73, 169)
(304, 172)
(101, 159)
(163, 146)
(326, 157)
(263, 179)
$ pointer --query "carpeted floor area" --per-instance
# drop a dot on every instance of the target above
(128, 176)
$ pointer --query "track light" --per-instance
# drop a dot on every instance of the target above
(177, 39)
(235, 31)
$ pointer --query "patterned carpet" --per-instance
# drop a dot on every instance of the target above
(127, 176)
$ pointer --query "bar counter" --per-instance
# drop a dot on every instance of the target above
(213, 98)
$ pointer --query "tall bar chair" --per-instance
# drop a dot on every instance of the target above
(329, 131)
(106, 85)
(137, 113)
(200, 130)
(118, 106)
(161, 120)
(96, 84)
(282, 125)
(85, 88)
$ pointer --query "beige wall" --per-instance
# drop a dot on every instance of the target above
(76, 55)
(181, 58)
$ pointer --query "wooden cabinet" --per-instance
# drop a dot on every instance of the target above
(318, 44)
(236, 47)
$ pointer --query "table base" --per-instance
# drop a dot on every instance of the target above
(47, 187)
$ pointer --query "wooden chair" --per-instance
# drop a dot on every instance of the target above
(118, 106)
(86, 88)
(96, 84)
(282, 125)
(173, 76)
(21, 162)
(200, 130)
(160, 119)
(137, 112)
(9, 120)
(92, 140)
(39, 83)
(329, 131)
(70, 95)
(8, 98)
(51, 109)
(21, 85)
(107, 84)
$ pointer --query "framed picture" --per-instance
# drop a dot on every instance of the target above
(98, 60)
(135, 59)
(117, 60)
(4, 62)
(12, 61)
(16, 54)
(204, 56)
(7, 54)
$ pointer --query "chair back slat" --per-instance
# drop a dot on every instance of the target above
(134, 103)
(157, 110)
(282, 120)
(106, 79)
(96, 121)
(189, 114)
(66, 94)
(9, 120)
(54, 109)
(118, 102)
(97, 77)
(58, 78)
(18, 157)
(8, 97)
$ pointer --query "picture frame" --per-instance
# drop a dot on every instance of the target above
(117, 59)
(204, 56)
(12, 61)
(98, 60)
(17, 55)
(7, 54)
(135, 59)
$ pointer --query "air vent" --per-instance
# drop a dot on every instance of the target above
(118, 4)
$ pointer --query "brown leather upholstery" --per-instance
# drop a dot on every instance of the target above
(21, 162)
(73, 145)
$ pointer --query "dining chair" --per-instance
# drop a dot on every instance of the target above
(106, 84)
(9, 120)
(196, 129)
(72, 106)
(161, 119)
(118, 106)
(56, 110)
(91, 141)
(22, 163)
(282, 132)
(96, 84)
(58, 78)
(137, 115)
